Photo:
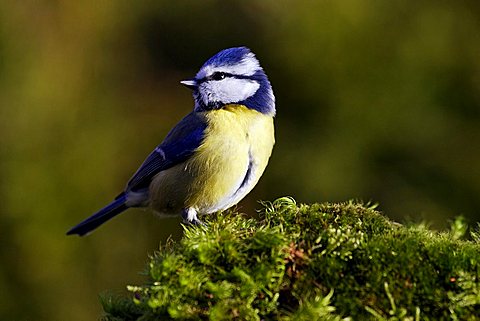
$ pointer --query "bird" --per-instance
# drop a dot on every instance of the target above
(215, 155)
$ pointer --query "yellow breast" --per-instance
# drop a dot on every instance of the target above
(237, 145)
(236, 138)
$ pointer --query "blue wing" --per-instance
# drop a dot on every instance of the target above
(177, 147)
(180, 143)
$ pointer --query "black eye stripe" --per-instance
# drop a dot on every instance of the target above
(216, 76)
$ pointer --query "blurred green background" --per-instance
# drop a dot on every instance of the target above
(376, 100)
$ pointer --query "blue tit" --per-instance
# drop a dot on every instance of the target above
(215, 155)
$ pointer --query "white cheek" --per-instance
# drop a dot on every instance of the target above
(228, 90)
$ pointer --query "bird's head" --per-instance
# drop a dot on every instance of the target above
(232, 76)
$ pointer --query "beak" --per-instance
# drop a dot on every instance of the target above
(189, 83)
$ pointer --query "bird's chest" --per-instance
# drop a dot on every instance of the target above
(237, 145)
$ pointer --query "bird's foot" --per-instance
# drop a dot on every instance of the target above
(189, 216)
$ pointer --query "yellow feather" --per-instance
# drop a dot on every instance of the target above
(210, 180)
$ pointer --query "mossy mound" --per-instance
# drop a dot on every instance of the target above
(309, 262)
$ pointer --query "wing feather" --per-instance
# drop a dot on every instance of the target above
(180, 143)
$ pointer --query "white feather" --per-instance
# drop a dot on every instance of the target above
(228, 90)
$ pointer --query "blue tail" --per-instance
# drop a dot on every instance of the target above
(111, 210)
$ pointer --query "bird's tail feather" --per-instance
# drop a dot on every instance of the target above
(111, 210)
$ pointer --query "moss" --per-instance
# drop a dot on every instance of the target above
(309, 262)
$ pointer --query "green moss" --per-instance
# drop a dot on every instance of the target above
(309, 262)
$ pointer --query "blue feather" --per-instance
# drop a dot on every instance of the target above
(230, 56)
(111, 210)
(263, 100)
(178, 146)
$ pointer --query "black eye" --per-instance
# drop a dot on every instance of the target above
(218, 75)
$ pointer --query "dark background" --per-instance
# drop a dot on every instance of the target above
(376, 100)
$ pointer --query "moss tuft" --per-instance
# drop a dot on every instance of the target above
(309, 262)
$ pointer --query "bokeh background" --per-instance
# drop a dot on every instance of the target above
(377, 100)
